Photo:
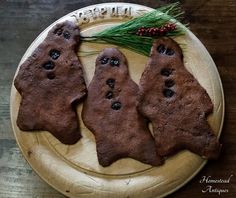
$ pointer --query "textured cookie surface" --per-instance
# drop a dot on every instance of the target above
(110, 113)
(176, 104)
(51, 83)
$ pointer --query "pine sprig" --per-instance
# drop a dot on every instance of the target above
(126, 34)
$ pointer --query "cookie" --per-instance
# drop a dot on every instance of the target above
(175, 103)
(51, 84)
(110, 113)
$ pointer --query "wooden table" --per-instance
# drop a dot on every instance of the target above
(213, 22)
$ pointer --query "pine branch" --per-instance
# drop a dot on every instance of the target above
(138, 34)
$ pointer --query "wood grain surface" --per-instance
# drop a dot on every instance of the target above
(213, 22)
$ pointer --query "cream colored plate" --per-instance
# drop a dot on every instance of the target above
(74, 170)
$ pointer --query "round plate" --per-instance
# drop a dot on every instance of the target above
(74, 170)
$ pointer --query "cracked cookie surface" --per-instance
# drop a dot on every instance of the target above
(175, 103)
(51, 84)
(110, 113)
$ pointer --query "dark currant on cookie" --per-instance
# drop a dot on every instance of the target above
(168, 93)
(116, 105)
(114, 62)
(169, 83)
(51, 76)
(48, 65)
(58, 31)
(111, 82)
(54, 54)
(109, 95)
(66, 35)
(104, 60)
(161, 49)
(169, 52)
(166, 72)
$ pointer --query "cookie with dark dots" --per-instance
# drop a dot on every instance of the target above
(176, 104)
(110, 113)
(51, 84)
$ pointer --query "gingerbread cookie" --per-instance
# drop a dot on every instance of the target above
(110, 113)
(176, 104)
(51, 84)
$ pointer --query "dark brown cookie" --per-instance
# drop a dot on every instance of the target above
(110, 113)
(51, 83)
(176, 104)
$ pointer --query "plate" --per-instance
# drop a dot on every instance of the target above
(74, 170)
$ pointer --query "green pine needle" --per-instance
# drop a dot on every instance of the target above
(124, 35)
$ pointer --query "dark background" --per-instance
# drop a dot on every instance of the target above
(212, 21)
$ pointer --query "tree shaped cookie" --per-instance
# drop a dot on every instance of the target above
(176, 104)
(110, 113)
(51, 83)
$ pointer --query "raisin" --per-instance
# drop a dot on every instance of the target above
(170, 52)
(48, 65)
(104, 60)
(116, 105)
(66, 35)
(111, 83)
(54, 54)
(169, 83)
(168, 93)
(114, 62)
(58, 31)
(109, 95)
(51, 76)
(161, 49)
(166, 72)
